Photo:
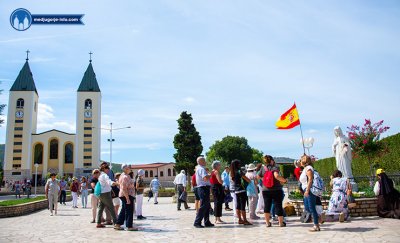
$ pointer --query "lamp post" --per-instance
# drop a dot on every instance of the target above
(36, 166)
(111, 140)
(308, 143)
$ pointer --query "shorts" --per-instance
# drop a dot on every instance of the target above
(116, 201)
(196, 193)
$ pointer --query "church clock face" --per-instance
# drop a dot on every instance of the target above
(88, 114)
(19, 114)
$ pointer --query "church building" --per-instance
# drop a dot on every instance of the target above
(66, 154)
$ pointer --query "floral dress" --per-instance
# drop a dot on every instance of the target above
(338, 200)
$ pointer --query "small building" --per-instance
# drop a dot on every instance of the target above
(165, 171)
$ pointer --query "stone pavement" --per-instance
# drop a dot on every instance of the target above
(165, 224)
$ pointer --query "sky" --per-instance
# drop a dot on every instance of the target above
(236, 66)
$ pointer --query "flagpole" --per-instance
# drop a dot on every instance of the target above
(301, 130)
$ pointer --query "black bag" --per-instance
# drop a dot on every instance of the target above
(150, 193)
(305, 217)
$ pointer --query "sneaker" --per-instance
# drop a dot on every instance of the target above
(228, 209)
(209, 225)
(51, 214)
(341, 217)
(156, 203)
(198, 226)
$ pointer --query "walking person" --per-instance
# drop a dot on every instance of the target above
(251, 174)
(306, 179)
(217, 190)
(180, 186)
(63, 189)
(226, 184)
(105, 197)
(94, 200)
(239, 181)
(52, 191)
(74, 191)
(84, 191)
(203, 187)
(127, 197)
(272, 189)
(139, 195)
(155, 186)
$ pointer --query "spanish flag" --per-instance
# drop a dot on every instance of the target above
(289, 119)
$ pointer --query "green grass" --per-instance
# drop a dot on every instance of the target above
(14, 202)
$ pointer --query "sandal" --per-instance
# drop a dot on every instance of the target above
(314, 229)
(240, 222)
(100, 226)
(269, 224)
(247, 223)
(132, 229)
(283, 224)
(93, 221)
(118, 227)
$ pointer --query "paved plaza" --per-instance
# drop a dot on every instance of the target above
(165, 224)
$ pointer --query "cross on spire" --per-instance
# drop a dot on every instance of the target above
(27, 55)
(90, 56)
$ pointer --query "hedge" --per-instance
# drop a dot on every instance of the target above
(390, 161)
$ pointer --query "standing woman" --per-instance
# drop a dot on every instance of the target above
(74, 191)
(251, 174)
(127, 198)
(94, 199)
(115, 194)
(195, 191)
(105, 197)
(260, 203)
(217, 190)
(306, 179)
(52, 190)
(139, 194)
(238, 181)
(274, 193)
(84, 191)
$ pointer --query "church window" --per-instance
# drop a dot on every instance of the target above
(87, 164)
(173, 172)
(17, 143)
(18, 128)
(87, 121)
(87, 128)
(88, 104)
(87, 142)
(146, 174)
(15, 173)
(17, 151)
(54, 149)
(16, 165)
(69, 153)
(20, 103)
(87, 157)
(87, 135)
(169, 172)
(16, 158)
(19, 121)
(17, 135)
(38, 156)
(151, 173)
(87, 150)
(161, 173)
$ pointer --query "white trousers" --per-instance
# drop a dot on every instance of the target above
(74, 199)
(260, 203)
(233, 195)
(53, 198)
(139, 203)
(155, 194)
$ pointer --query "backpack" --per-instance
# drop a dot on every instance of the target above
(318, 185)
(268, 179)
(97, 189)
(251, 189)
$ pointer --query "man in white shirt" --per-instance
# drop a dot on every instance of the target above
(180, 186)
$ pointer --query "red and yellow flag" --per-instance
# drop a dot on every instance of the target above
(289, 119)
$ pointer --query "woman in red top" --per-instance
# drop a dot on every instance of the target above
(196, 194)
(297, 170)
(217, 190)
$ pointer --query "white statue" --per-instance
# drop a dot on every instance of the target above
(342, 150)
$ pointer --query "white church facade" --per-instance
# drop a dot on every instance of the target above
(66, 154)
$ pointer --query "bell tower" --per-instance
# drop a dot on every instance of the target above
(88, 133)
(21, 123)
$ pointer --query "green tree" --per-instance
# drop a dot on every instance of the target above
(230, 148)
(187, 144)
(257, 156)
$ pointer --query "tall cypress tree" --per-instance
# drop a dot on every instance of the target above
(187, 144)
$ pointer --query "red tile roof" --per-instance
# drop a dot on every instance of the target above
(150, 166)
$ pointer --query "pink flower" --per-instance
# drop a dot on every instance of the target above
(365, 141)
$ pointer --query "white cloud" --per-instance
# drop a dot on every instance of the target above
(189, 100)
(48, 121)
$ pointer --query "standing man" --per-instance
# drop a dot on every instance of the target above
(155, 186)
(226, 184)
(203, 187)
(63, 188)
(180, 186)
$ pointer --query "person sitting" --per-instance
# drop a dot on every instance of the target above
(337, 208)
(388, 196)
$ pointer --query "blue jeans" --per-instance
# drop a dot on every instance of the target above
(126, 213)
(309, 206)
(204, 210)
(273, 208)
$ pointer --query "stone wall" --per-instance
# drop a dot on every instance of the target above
(364, 207)
(26, 208)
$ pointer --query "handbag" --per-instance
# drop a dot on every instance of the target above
(251, 189)
(183, 196)
(228, 198)
(150, 193)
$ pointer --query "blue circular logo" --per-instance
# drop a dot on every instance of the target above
(21, 19)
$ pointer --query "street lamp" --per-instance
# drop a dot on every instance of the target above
(36, 166)
(308, 143)
(111, 140)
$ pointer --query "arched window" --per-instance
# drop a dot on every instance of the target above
(20, 103)
(38, 156)
(146, 174)
(161, 173)
(173, 172)
(169, 172)
(69, 153)
(151, 173)
(88, 104)
(54, 149)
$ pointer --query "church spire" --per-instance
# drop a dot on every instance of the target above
(24, 81)
(89, 81)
